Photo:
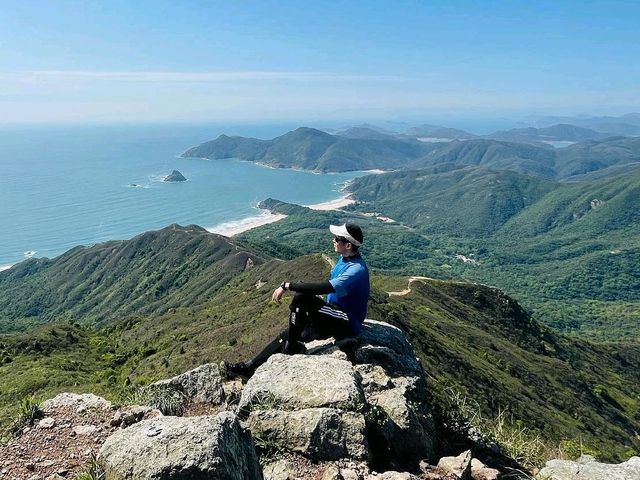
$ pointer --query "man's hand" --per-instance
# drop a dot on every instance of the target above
(277, 294)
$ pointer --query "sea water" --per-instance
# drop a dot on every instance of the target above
(79, 185)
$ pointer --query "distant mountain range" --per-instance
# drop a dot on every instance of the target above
(311, 149)
(548, 135)
(628, 125)
(439, 132)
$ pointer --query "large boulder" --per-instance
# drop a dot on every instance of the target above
(303, 381)
(395, 390)
(181, 448)
(330, 404)
(586, 468)
(200, 385)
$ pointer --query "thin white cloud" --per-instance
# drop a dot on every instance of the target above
(159, 76)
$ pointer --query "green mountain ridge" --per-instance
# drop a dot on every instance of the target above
(151, 273)
(449, 198)
(311, 149)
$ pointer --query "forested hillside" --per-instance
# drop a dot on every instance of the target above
(150, 273)
(311, 149)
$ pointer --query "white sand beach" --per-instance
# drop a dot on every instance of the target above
(332, 204)
(235, 227)
(5, 267)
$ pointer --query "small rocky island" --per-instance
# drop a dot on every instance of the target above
(175, 176)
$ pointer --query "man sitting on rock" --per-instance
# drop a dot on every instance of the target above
(312, 318)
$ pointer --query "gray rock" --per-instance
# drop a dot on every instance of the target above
(479, 471)
(48, 422)
(278, 470)
(458, 467)
(85, 429)
(374, 378)
(586, 468)
(317, 433)
(409, 431)
(391, 475)
(287, 382)
(350, 474)
(181, 448)
(386, 345)
(129, 415)
(81, 402)
(200, 385)
(331, 472)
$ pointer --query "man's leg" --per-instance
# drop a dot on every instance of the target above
(246, 369)
(312, 318)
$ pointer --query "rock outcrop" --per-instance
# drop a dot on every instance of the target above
(586, 468)
(365, 404)
(175, 176)
(201, 385)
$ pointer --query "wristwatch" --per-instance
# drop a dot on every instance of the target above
(283, 286)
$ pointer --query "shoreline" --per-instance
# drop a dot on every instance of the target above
(236, 227)
(336, 204)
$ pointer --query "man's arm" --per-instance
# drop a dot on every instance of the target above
(312, 288)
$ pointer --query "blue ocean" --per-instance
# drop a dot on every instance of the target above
(79, 185)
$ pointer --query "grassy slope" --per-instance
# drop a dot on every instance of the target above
(479, 340)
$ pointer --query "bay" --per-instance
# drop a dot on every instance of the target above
(63, 186)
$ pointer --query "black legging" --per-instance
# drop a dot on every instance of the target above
(310, 318)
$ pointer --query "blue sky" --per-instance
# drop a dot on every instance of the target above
(89, 61)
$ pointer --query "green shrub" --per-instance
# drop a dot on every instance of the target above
(93, 471)
(574, 448)
(28, 412)
(516, 440)
(166, 399)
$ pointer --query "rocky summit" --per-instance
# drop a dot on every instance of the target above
(350, 409)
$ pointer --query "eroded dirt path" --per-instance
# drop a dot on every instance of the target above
(407, 290)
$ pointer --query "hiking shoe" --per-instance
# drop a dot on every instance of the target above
(293, 348)
(232, 370)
